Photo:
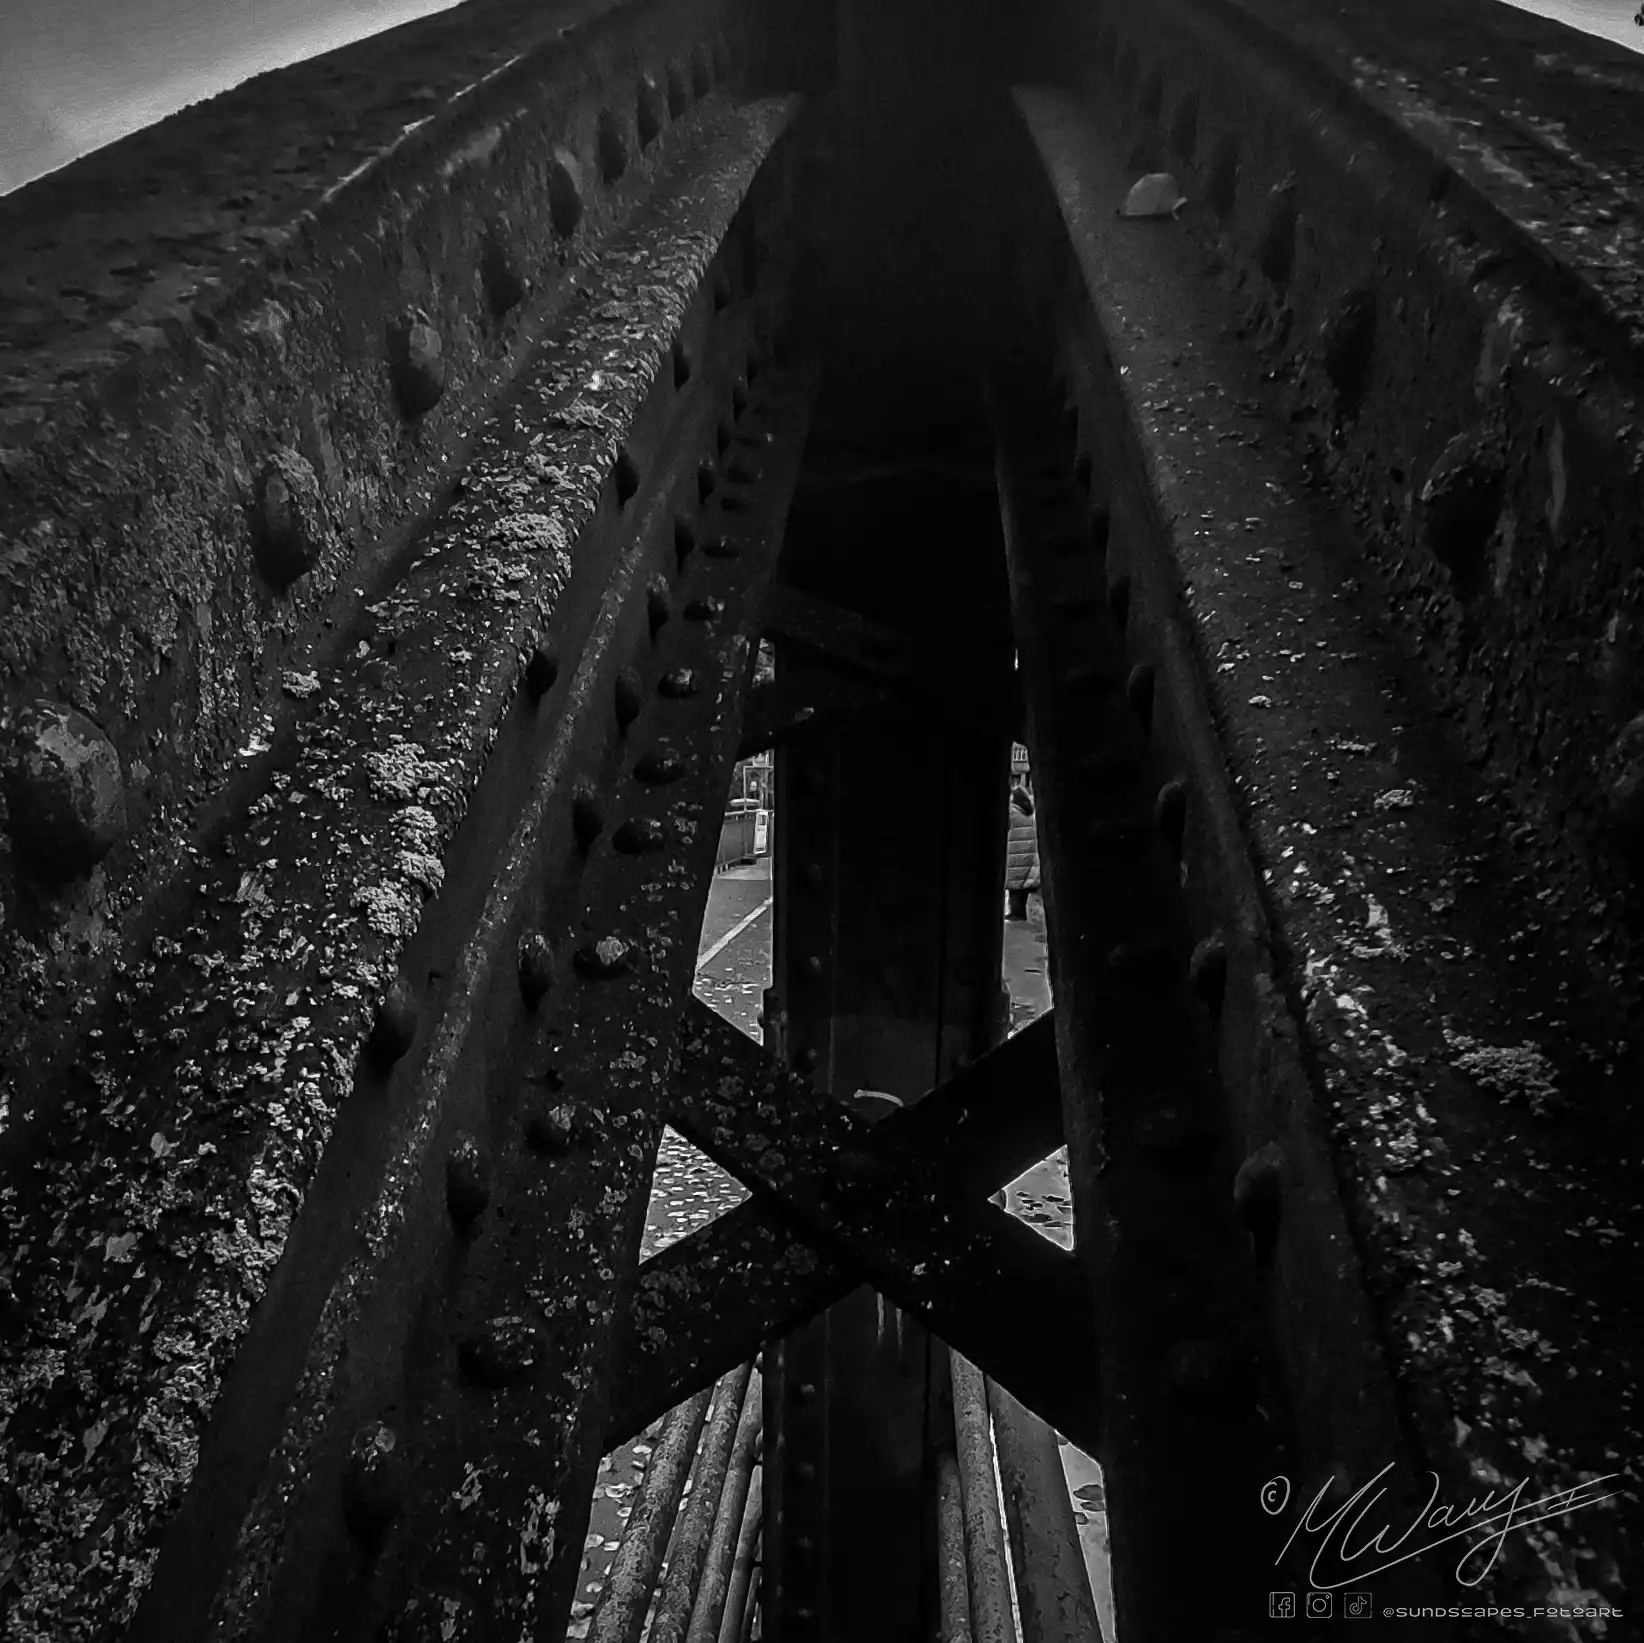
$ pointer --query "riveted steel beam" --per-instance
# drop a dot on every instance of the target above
(312, 1106)
(713, 1299)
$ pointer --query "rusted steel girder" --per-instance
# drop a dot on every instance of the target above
(268, 1225)
(715, 1298)
(981, 1279)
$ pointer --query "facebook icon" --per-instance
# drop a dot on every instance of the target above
(1281, 1605)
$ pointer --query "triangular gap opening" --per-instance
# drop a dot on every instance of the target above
(733, 969)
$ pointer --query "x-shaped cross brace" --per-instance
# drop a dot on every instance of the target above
(902, 1205)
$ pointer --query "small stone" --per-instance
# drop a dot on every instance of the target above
(467, 1180)
(549, 1129)
(536, 966)
(373, 1481)
(501, 1353)
(65, 791)
(605, 958)
(678, 682)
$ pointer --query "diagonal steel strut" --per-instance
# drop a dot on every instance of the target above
(713, 1299)
(910, 1225)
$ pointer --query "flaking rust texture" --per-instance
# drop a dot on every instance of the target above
(209, 446)
(1467, 1074)
(140, 1235)
(1462, 240)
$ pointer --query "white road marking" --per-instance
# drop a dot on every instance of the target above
(707, 958)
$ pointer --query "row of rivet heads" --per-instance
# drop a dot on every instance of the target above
(598, 960)
(64, 785)
(1256, 1183)
(1175, 1139)
(810, 819)
(548, 1124)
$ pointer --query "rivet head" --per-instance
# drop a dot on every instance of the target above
(627, 698)
(549, 1129)
(721, 285)
(648, 110)
(1118, 599)
(1210, 1377)
(708, 609)
(373, 1481)
(1139, 688)
(659, 767)
(724, 434)
(504, 286)
(600, 960)
(659, 605)
(682, 363)
(679, 95)
(809, 1060)
(1170, 812)
(1461, 502)
(1257, 1194)
(625, 475)
(1207, 970)
(396, 1023)
(542, 669)
(638, 835)
(739, 395)
(65, 791)
(502, 1352)
(417, 366)
(678, 683)
(288, 523)
(805, 1471)
(706, 479)
(467, 1180)
(1149, 963)
(587, 814)
(813, 966)
(611, 146)
(564, 192)
(536, 966)
(805, 1392)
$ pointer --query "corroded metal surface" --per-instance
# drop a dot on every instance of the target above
(716, 1297)
(231, 394)
(1450, 1140)
(973, 1274)
(507, 1447)
(158, 1207)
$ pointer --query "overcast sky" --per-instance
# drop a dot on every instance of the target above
(76, 74)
